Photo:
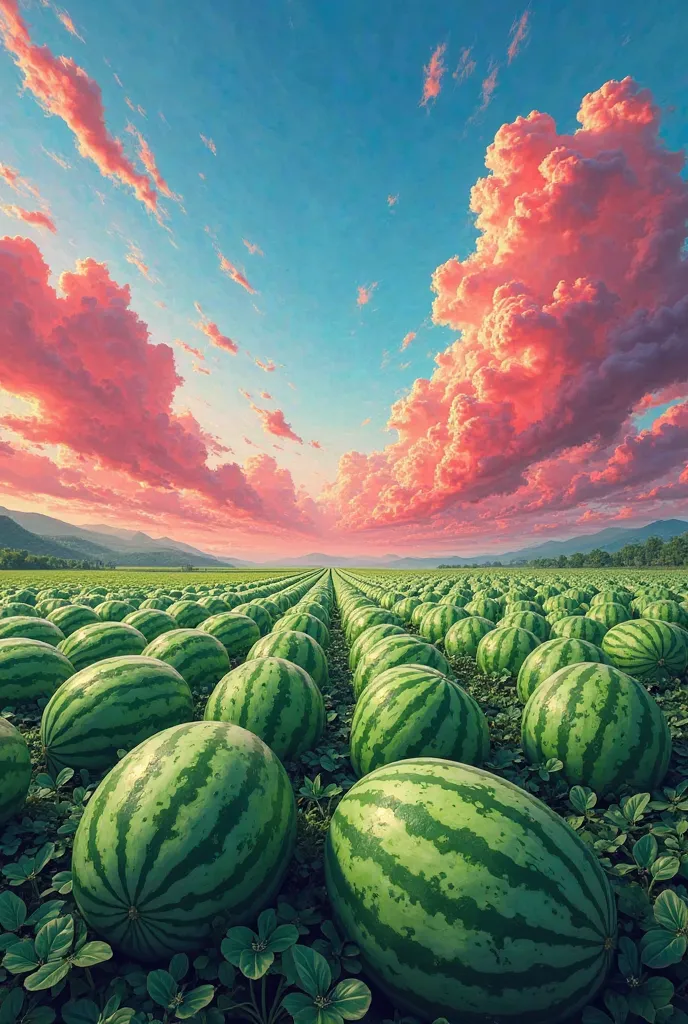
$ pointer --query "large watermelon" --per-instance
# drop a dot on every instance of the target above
(609, 613)
(368, 616)
(291, 645)
(435, 624)
(646, 649)
(152, 622)
(101, 640)
(549, 657)
(602, 724)
(414, 711)
(397, 650)
(484, 608)
(12, 608)
(187, 614)
(579, 627)
(467, 896)
(197, 821)
(30, 669)
(30, 628)
(302, 622)
(368, 637)
(666, 611)
(113, 611)
(73, 617)
(15, 770)
(260, 615)
(237, 632)
(505, 649)
(532, 621)
(463, 638)
(275, 699)
(110, 706)
(200, 659)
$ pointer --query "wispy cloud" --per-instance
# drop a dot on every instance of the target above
(407, 339)
(254, 249)
(190, 349)
(68, 23)
(392, 200)
(274, 423)
(210, 144)
(432, 81)
(214, 334)
(59, 160)
(488, 87)
(365, 422)
(268, 365)
(365, 293)
(145, 155)
(519, 34)
(234, 274)
(135, 257)
(266, 396)
(36, 218)
(465, 67)
(316, 444)
(197, 368)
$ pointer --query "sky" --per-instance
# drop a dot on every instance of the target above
(292, 276)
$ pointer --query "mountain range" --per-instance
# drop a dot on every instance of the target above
(44, 535)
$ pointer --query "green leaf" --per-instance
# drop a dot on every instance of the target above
(43, 857)
(195, 1000)
(45, 781)
(665, 868)
(54, 939)
(284, 936)
(629, 958)
(93, 953)
(122, 1016)
(64, 777)
(591, 1015)
(161, 987)
(267, 922)
(351, 999)
(11, 1006)
(47, 975)
(178, 966)
(312, 969)
(659, 990)
(296, 1002)
(21, 958)
(12, 912)
(671, 911)
(46, 912)
(235, 942)
(632, 807)
(645, 851)
(226, 974)
(255, 963)
(112, 1004)
(617, 1006)
(660, 948)
(39, 1015)
(80, 1011)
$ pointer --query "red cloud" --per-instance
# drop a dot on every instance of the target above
(268, 365)
(210, 144)
(255, 250)
(68, 23)
(432, 82)
(147, 158)
(365, 293)
(316, 444)
(465, 67)
(64, 89)
(190, 349)
(235, 275)
(488, 87)
(555, 354)
(197, 368)
(20, 185)
(214, 334)
(408, 338)
(266, 396)
(519, 34)
(36, 218)
(274, 423)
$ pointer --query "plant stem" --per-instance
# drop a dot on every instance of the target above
(263, 1002)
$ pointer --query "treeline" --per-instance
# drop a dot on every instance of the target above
(654, 552)
(11, 558)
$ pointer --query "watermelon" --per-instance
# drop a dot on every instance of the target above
(579, 627)
(113, 610)
(602, 724)
(101, 640)
(213, 604)
(187, 614)
(261, 616)
(368, 637)
(609, 613)
(43, 608)
(31, 629)
(198, 821)
(461, 641)
(152, 622)
(421, 610)
(666, 611)
(161, 603)
(646, 649)
(403, 649)
(313, 608)
(273, 698)
(436, 623)
(30, 669)
(549, 657)
(485, 608)
(72, 617)
(531, 621)
(199, 658)
(15, 770)
(12, 608)
(302, 622)
(237, 632)
(110, 706)
(291, 645)
(467, 896)
(405, 608)
(414, 711)
(505, 649)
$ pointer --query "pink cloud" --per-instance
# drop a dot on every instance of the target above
(519, 34)
(145, 154)
(266, 396)
(365, 422)
(432, 81)
(63, 89)
(268, 365)
(189, 349)
(36, 218)
(135, 257)
(316, 444)
(392, 200)
(197, 368)
(407, 339)
(465, 67)
(292, 386)
(214, 334)
(255, 250)
(234, 274)
(274, 423)
(365, 293)
(59, 160)
(66, 20)
(210, 144)
(20, 185)
(487, 89)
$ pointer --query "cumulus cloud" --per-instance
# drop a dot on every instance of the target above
(273, 422)
(36, 218)
(432, 75)
(63, 89)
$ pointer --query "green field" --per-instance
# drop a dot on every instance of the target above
(505, 843)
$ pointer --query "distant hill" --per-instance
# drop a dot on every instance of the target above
(12, 535)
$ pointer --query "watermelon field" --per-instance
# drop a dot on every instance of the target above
(322, 796)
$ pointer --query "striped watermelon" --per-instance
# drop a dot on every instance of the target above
(436, 623)
(302, 622)
(549, 657)
(602, 724)
(101, 640)
(463, 638)
(609, 613)
(421, 610)
(467, 896)
(314, 608)
(368, 638)
(484, 608)
(237, 632)
(414, 711)
(31, 629)
(531, 621)
(196, 822)
(213, 604)
(187, 614)
(43, 608)
(110, 706)
(666, 611)
(505, 649)
(369, 616)
(73, 617)
(300, 648)
(12, 608)
(579, 627)
(161, 603)
(646, 649)
(15, 770)
(113, 610)
(261, 616)
(397, 650)
(152, 622)
(30, 669)
(200, 659)
(405, 608)
(273, 698)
